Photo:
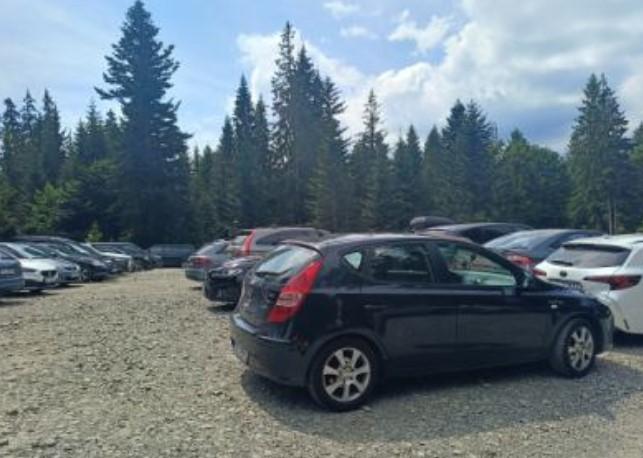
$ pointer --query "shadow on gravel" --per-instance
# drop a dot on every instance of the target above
(454, 405)
(220, 308)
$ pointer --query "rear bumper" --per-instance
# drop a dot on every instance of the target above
(607, 334)
(277, 360)
(192, 273)
(226, 290)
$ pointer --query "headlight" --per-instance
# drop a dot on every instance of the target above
(96, 263)
(234, 272)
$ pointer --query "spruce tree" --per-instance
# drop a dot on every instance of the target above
(228, 202)
(51, 140)
(433, 174)
(154, 152)
(246, 163)
(598, 158)
(407, 165)
(530, 184)
(265, 199)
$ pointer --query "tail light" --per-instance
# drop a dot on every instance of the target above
(520, 260)
(539, 273)
(201, 261)
(294, 292)
(247, 244)
(616, 282)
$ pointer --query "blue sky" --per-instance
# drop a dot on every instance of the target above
(524, 62)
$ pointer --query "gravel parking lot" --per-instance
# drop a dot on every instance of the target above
(140, 366)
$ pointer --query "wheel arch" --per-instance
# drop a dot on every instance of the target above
(582, 315)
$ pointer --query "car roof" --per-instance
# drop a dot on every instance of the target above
(466, 226)
(347, 240)
(624, 240)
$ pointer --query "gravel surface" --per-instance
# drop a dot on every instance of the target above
(140, 366)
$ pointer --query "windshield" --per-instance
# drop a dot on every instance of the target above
(17, 253)
(284, 260)
(589, 256)
(31, 251)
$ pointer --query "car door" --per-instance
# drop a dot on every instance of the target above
(417, 330)
(497, 321)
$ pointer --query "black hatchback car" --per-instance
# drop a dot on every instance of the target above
(339, 316)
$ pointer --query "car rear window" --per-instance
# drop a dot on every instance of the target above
(212, 248)
(286, 260)
(590, 256)
(519, 241)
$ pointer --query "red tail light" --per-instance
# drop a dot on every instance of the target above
(539, 273)
(247, 244)
(616, 282)
(201, 261)
(523, 261)
(292, 295)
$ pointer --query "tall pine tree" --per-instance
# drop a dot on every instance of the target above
(153, 163)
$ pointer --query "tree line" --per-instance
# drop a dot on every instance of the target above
(127, 174)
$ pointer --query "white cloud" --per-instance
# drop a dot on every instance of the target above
(341, 9)
(524, 72)
(425, 38)
(357, 31)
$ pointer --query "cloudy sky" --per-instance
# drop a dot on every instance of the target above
(525, 62)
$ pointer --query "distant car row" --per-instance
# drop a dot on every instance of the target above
(36, 262)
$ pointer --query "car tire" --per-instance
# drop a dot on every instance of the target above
(35, 292)
(574, 351)
(343, 387)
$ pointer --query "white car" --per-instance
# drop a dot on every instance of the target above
(38, 274)
(609, 268)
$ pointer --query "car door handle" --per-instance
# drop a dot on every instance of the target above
(374, 307)
(554, 305)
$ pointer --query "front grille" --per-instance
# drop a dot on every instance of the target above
(48, 273)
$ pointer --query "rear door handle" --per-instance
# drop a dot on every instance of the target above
(374, 307)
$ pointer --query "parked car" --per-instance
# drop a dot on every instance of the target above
(422, 223)
(91, 268)
(142, 259)
(123, 262)
(38, 274)
(340, 315)
(172, 254)
(609, 268)
(223, 284)
(205, 258)
(68, 272)
(528, 248)
(261, 241)
(10, 274)
(480, 233)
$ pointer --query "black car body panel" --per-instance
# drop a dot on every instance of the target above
(416, 328)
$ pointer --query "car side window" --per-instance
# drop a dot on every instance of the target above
(355, 259)
(468, 267)
(402, 264)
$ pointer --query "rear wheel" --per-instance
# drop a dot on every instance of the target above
(574, 352)
(343, 374)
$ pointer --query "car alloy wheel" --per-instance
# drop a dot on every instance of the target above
(343, 374)
(84, 275)
(580, 348)
(574, 351)
(346, 374)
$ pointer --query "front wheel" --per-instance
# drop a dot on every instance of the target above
(343, 374)
(574, 351)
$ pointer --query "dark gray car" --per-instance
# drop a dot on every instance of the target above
(529, 248)
(205, 258)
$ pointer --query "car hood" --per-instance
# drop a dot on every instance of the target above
(117, 256)
(38, 264)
